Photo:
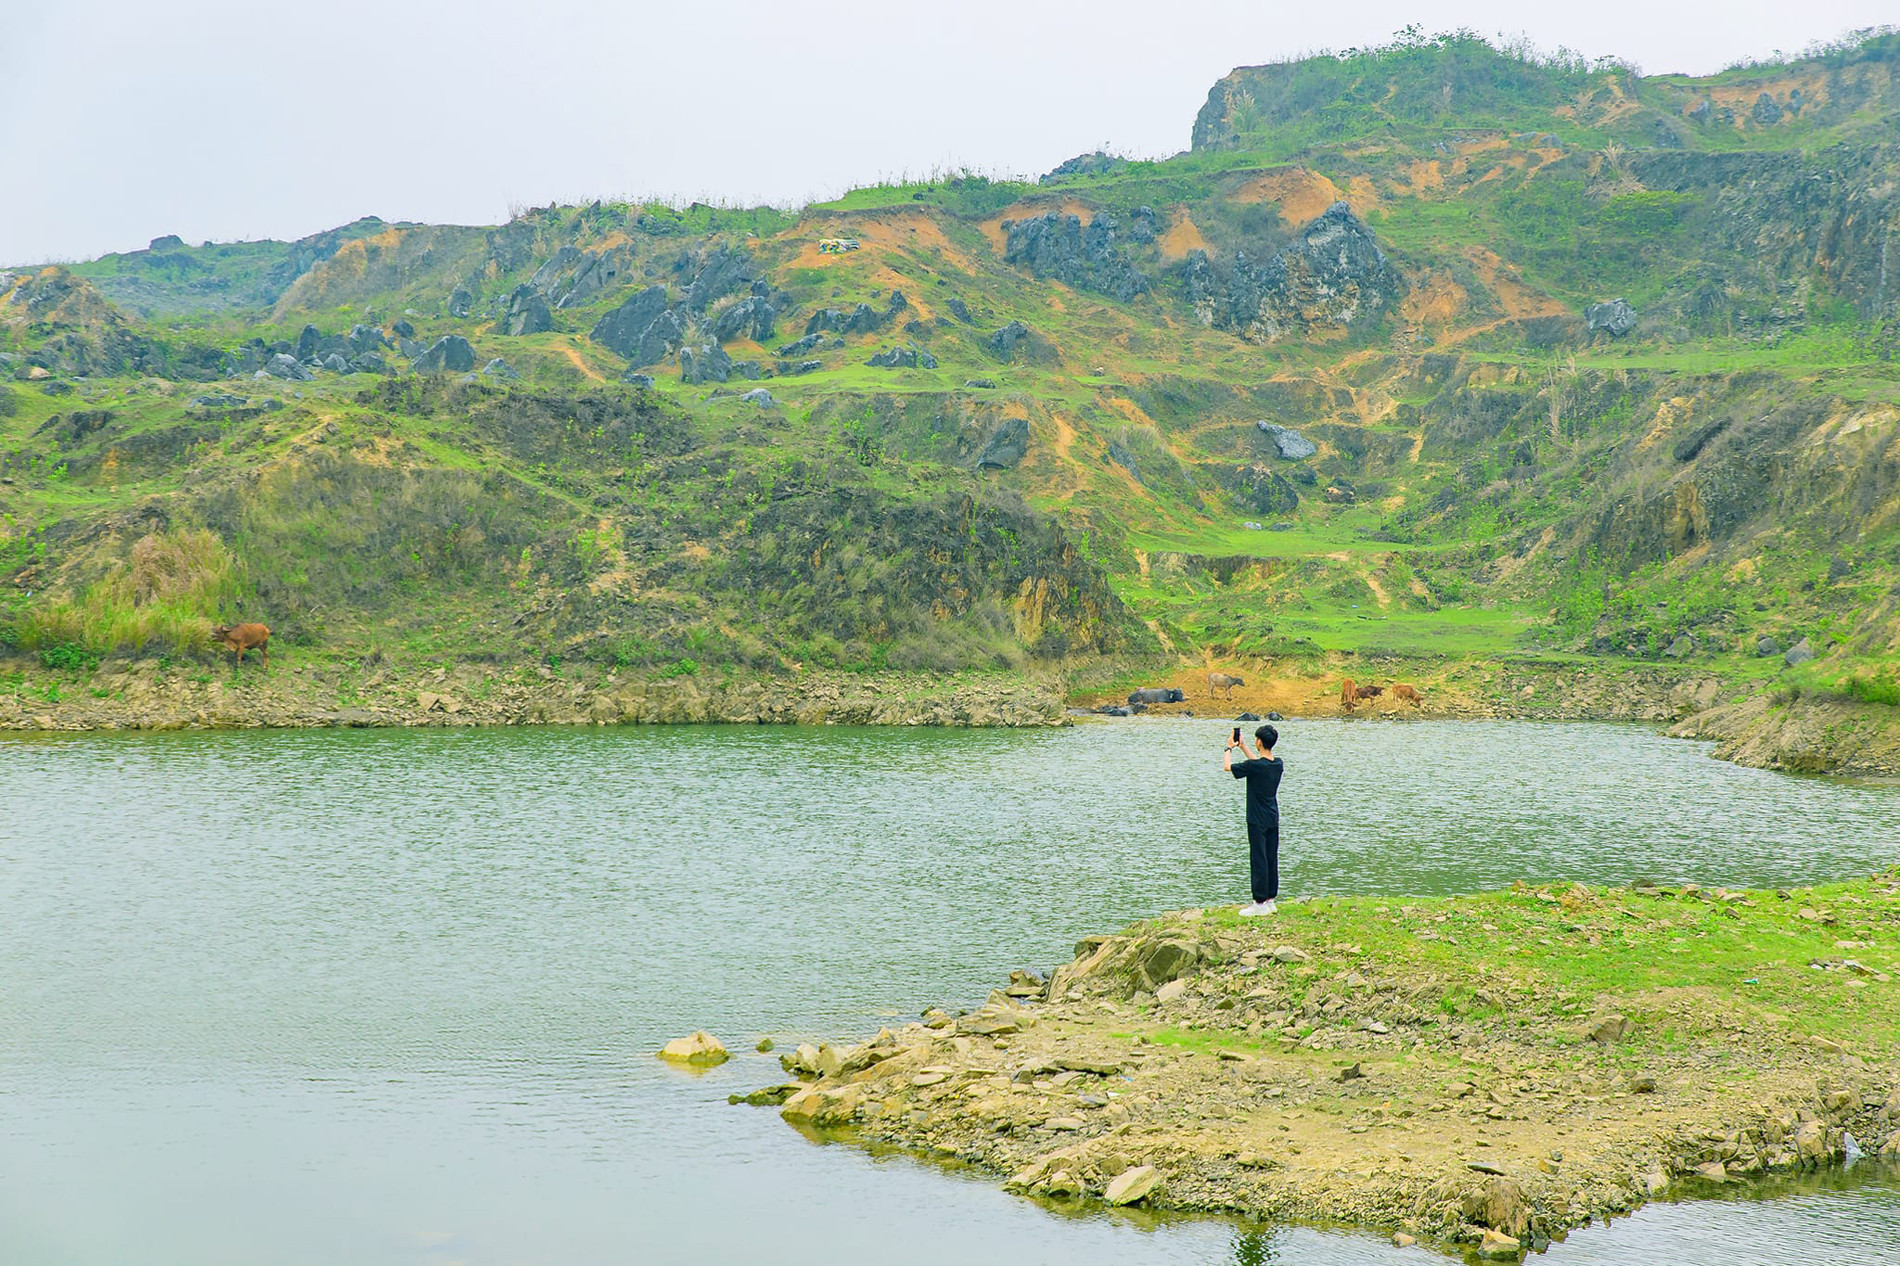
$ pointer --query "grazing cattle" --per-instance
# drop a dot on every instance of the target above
(239, 638)
(1224, 682)
(1369, 692)
(1407, 694)
(1157, 694)
(1348, 694)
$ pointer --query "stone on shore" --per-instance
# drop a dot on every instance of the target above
(1166, 959)
(697, 1047)
(823, 1105)
(1496, 1245)
(1132, 1186)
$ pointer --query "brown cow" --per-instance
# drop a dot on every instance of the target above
(1407, 694)
(239, 638)
(1223, 681)
(1369, 692)
(1348, 694)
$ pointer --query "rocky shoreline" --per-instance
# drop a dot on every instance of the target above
(1805, 736)
(1487, 1072)
(1808, 735)
(146, 695)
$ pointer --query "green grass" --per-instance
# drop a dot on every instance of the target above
(1584, 943)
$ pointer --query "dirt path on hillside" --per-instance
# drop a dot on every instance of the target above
(581, 365)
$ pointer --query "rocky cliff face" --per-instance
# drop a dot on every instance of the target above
(1778, 223)
(1057, 245)
(1332, 278)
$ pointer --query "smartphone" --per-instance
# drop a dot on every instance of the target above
(1236, 734)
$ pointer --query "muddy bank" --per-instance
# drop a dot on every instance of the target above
(146, 695)
(1488, 1072)
(1807, 735)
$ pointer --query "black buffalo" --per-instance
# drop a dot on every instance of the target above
(1157, 694)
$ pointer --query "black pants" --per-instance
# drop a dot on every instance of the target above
(1263, 857)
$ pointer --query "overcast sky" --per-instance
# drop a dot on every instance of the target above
(124, 119)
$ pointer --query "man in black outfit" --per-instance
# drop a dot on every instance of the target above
(1262, 773)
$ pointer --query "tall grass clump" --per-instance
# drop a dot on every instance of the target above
(163, 595)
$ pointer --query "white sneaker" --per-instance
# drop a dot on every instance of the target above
(1251, 909)
(1267, 907)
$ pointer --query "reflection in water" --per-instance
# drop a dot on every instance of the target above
(392, 997)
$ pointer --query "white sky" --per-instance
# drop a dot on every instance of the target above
(124, 119)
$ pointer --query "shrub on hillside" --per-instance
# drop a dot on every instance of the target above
(163, 595)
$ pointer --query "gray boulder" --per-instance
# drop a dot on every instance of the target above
(749, 369)
(1800, 653)
(863, 319)
(461, 302)
(499, 368)
(366, 338)
(1093, 164)
(1005, 447)
(637, 379)
(1767, 646)
(759, 396)
(722, 271)
(367, 363)
(1615, 318)
(217, 400)
(572, 277)
(751, 317)
(799, 346)
(402, 329)
(1264, 490)
(1767, 111)
(803, 367)
(309, 339)
(1682, 647)
(981, 384)
(1291, 444)
(288, 367)
(1014, 341)
(335, 363)
(450, 354)
(705, 364)
(410, 348)
(527, 312)
(643, 329)
(902, 358)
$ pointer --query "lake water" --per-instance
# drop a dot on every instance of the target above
(391, 997)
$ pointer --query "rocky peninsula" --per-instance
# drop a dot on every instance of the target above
(1487, 1071)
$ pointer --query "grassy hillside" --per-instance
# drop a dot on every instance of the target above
(1576, 363)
